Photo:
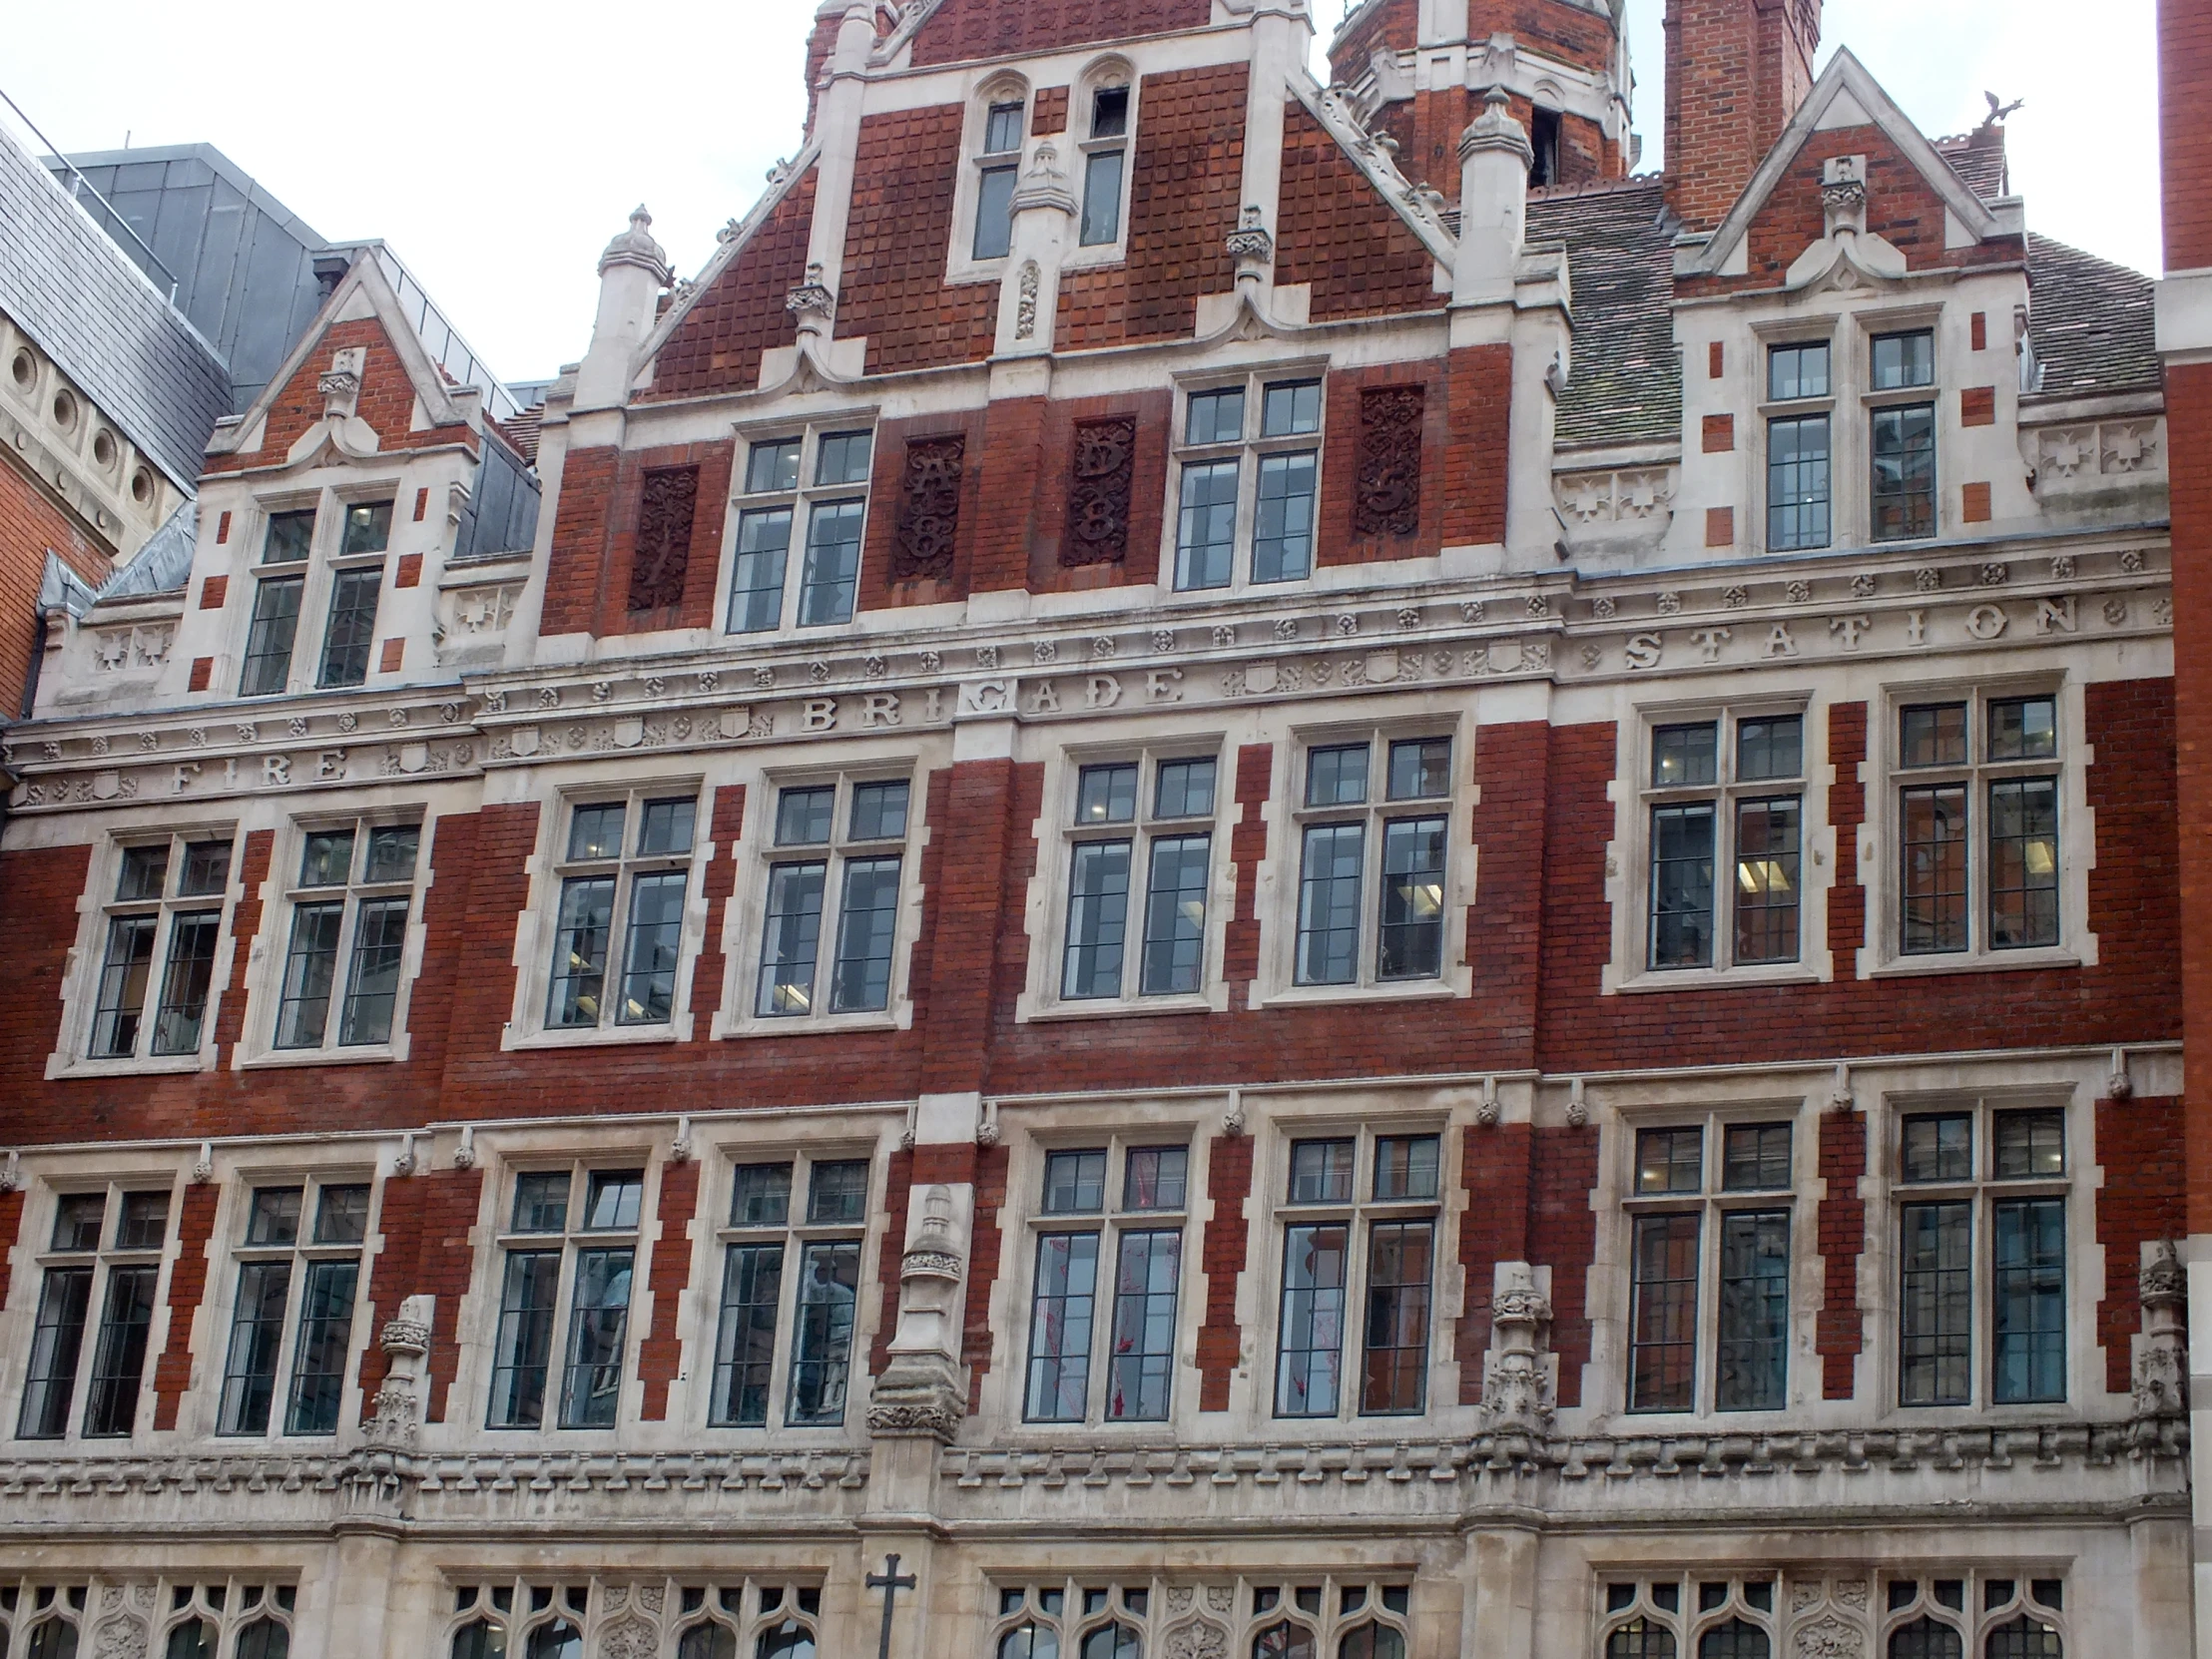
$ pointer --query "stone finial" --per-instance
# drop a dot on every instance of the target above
(636, 246)
(11, 1174)
(1496, 129)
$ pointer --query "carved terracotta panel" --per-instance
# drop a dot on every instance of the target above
(928, 508)
(1102, 472)
(1386, 497)
(667, 503)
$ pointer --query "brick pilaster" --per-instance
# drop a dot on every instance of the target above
(1840, 1330)
(661, 1355)
(188, 1288)
(1219, 1338)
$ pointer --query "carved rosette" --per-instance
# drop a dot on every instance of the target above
(667, 507)
(1099, 490)
(1387, 496)
(928, 508)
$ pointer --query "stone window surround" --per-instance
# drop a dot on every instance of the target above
(478, 1316)
(1253, 379)
(1025, 1183)
(1005, 86)
(1057, 834)
(1710, 1201)
(1888, 1194)
(1631, 972)
(809, 431)
(36, 1233)
(744, 916)
(273, 948)
(81, 984)
(228, 1241)
(1881, 838)
(249, 535)
(1850, 328)
(1276, 892)
(539, 923)
(715, 1230)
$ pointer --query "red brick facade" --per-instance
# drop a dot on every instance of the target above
(1340, 236)
(31, 525)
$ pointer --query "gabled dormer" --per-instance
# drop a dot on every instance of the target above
(363, 523)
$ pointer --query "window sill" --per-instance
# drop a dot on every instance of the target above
(379, 1054)
(814, 1025)
(167, 1065)
(608, 1037)
(1420, 990)
(1978, 961)
(1114, 1008)
(1649, 980)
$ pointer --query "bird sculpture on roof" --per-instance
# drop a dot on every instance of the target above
(1999, 110)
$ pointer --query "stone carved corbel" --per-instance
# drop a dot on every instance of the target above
(920, 1394)
(2162, 1350)
(1252, 248)
(340, 383)
(813, 305)
(1518, 1390)
(396, 1410)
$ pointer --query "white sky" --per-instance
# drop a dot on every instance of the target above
(498, 147)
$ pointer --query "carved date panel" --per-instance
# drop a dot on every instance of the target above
(667, 503)
(928, 508)
(1385, 498)
(1102, 471)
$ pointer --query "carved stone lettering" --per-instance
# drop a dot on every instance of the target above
(667, 501)
(1102, 472)
(928, 508)
(1387, 498)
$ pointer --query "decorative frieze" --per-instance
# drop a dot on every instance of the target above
(2095, 452)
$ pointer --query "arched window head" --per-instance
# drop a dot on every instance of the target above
(1003, 124)
(1104, 118)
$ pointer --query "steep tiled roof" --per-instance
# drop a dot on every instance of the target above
(1978, 160)
(1626, 381)
(2090, 321)
(70, 289)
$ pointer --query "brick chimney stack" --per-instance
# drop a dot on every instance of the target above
(1737, 70)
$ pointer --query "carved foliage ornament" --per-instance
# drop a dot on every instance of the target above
(1387, 498)
(668, 502)
(1103, 471)
(928, 508)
